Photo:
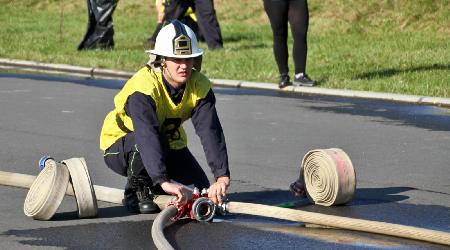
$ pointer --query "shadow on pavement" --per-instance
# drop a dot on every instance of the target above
(397, 113)
(111, 235)
(363, 196)
(393, 71)
(400, 114)
(101, 83)
(104, 212)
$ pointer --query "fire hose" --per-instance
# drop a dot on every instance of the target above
(200, 208)
(114, 195)
(160, 222)
(329, 176)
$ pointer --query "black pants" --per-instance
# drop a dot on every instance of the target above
(181, 164)
(208, 26)
(100, 28)
(174, 9)
(280, 12)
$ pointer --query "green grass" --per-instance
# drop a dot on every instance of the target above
(395, 46)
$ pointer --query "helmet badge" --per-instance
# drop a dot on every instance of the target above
(182, 45)
(181, 41)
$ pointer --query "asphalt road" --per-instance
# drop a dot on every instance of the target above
(400, 153)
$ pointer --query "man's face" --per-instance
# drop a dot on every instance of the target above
(178, 70)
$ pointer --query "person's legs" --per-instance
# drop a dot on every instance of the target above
(123, 157)
(298, 16)
(194, 27)
(176, 9)
(173, 9)
(181, 167)
(100, 32)
(140, 183)
(298, 19)
(208, 24)
(116, 158)
(277, 11)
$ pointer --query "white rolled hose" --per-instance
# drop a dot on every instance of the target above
(82, 187)
(329, 176)
(47, 191)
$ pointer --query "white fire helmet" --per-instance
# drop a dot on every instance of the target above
(176, 40)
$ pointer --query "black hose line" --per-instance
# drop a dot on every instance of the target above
(161, 221)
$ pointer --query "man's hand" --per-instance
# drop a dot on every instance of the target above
(176, 189)
(218, 190)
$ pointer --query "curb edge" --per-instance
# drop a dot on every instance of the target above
(6, 63)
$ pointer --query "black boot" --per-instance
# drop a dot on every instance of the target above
(140, 197)
(145, 197)
(130, 200)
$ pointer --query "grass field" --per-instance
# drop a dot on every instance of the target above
(395, 46)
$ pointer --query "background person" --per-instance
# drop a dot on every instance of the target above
(143, 137)
(296, 13)
(206, 19)
(182, 11)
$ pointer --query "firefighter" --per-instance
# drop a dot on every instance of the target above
(143, 137)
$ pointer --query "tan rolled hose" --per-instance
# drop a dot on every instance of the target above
(47, 191)
(82, 187)
(329, 176)
(341, 222)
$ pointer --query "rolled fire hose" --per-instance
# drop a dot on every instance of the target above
(47, 192)
(82, 187)
(329, 176)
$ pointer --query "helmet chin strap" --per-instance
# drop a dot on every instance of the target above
(164, 67)
(168, 73)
